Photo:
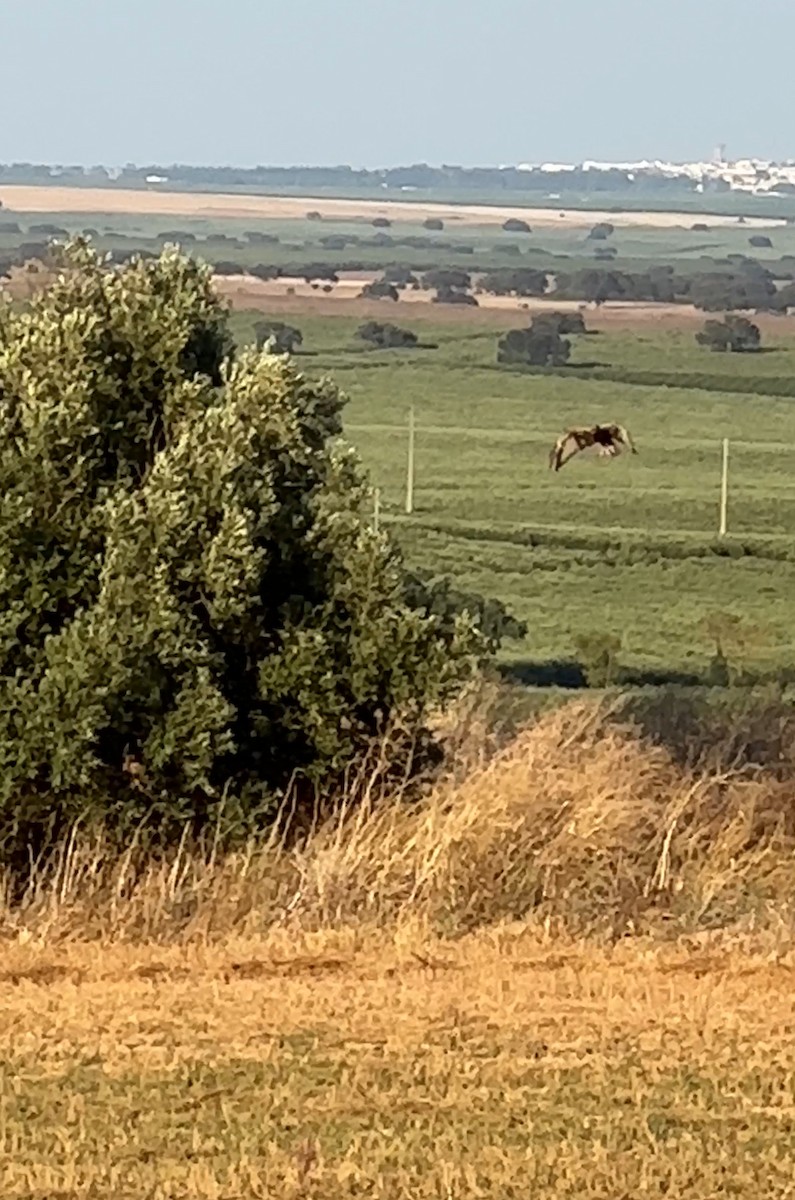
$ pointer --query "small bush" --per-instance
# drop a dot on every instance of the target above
(515, 281)
(446, 277)
(381, 223)
(334, 241)
(516, 225)
(265, 271)
(450, 295)
(733, 333)
(601, 231)
(257, 238)
(538, 346)
(434, 223)
(400, 276)
(48, 230)
(283, 339)
(386, 336)
(598, 654)
(379, 289)
(321, 271)
(560, 322)
(176, 237)
(225, 266)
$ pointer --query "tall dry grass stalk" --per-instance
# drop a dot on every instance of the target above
(576, 824)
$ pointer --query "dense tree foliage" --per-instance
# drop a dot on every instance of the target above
(277, 337)
(733, 333)
(385, 336)
(453, 295)
(514, 281)
(446, 277)
(400, 276)
(380, 289)
(560, 322)
(194, 611)
(599, 284)
(748, 286)
(601, 231)
(539, 346)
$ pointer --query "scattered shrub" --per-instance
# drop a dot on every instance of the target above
(400, 276)
(598, 653)
(451, 295)
(379, 289)
(284, 339)
(538, 346)
(733, 333)
(446, 277)
(386, 336)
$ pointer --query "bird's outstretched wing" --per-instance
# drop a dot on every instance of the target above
(558, 455)
(623, 435)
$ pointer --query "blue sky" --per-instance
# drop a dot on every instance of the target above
(380, 82)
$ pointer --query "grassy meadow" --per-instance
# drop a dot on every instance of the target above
(628, 544)
(299, 241)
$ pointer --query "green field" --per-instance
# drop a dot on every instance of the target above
(628, 545)
(471, 246)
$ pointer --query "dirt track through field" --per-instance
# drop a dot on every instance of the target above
(157, 202)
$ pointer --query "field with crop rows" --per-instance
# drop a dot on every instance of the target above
(628, 545)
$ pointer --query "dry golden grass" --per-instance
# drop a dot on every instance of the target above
(30, 198)
(568, 972)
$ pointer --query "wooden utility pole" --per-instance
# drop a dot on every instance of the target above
(376, 510)
(724, 489)
(410, 466)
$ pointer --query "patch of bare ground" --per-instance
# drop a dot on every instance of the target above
(157, 202)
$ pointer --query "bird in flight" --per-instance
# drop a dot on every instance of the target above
(608, 438)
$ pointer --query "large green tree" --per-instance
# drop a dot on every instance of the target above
(194, 611)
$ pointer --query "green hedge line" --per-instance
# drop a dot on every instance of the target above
(753, 385)
(619, 548)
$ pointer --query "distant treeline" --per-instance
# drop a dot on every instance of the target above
(313, 179)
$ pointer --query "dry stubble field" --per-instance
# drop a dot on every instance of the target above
(403, 1008)
(20, 198)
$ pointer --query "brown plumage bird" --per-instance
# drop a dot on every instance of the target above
(609, 439)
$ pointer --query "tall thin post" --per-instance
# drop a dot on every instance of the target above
(376, 509)
(724, 489)
(410, 465)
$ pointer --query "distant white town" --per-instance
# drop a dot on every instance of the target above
(757, 176)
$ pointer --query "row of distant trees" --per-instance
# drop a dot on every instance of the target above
(544, 342)
(748, 286)
(741, 284)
